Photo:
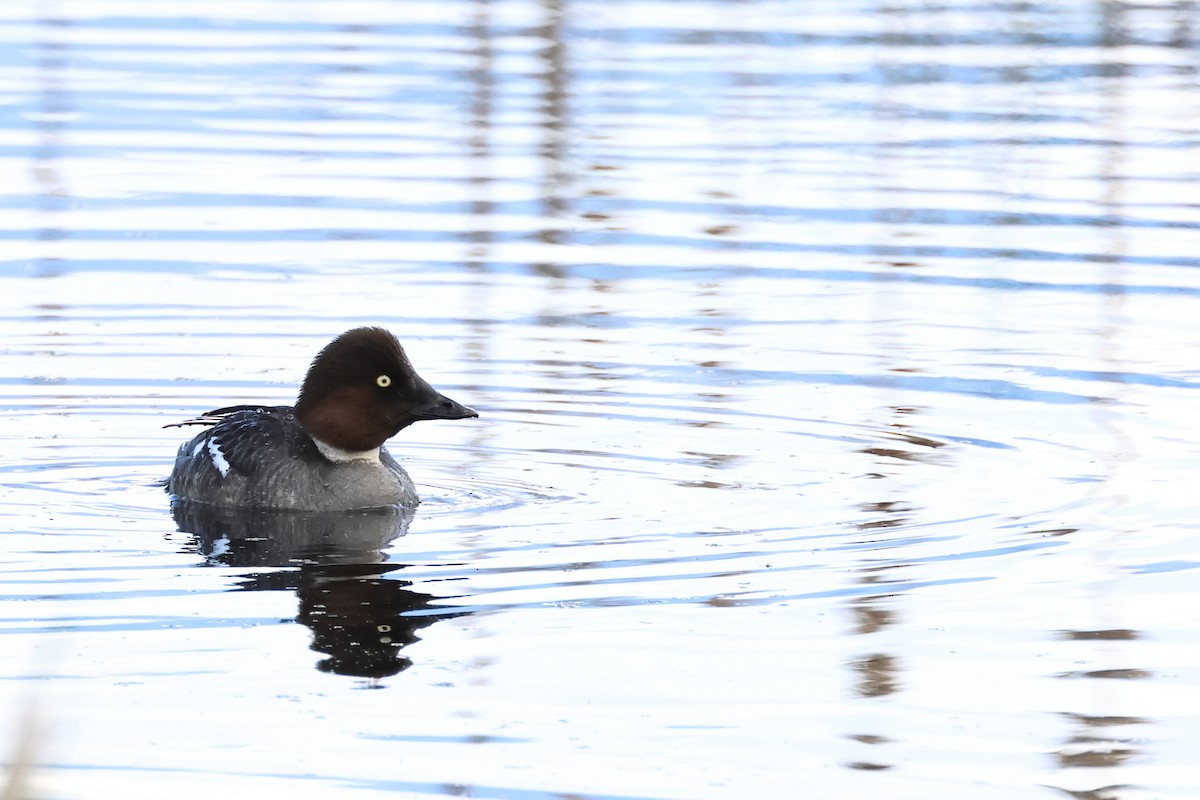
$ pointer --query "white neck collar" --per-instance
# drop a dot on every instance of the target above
(339, 455)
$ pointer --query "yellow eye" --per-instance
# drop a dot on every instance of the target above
(383, 381)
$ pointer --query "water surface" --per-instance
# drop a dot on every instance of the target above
(837, 375)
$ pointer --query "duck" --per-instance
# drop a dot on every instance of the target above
(324, 454)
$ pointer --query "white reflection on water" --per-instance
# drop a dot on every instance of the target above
(835, 363)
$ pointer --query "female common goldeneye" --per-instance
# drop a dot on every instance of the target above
(326, 453)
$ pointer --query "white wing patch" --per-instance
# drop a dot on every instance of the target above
(218, 457)
(199, 446)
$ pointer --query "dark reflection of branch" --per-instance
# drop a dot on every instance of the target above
(897, 432)
(1103, 793)
(1092, 746)
(55, 105)
(1110, 635)
(1183, 34)
(1106, 721)
(1094, 751)
(1124, 673)
(871, 618)
(359, 619)
(1109, 176)
(553, 151)
(1097, 743)
(483, 82)
(877, 674)
(480, 237)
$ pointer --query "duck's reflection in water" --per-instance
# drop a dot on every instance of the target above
(360, 619)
